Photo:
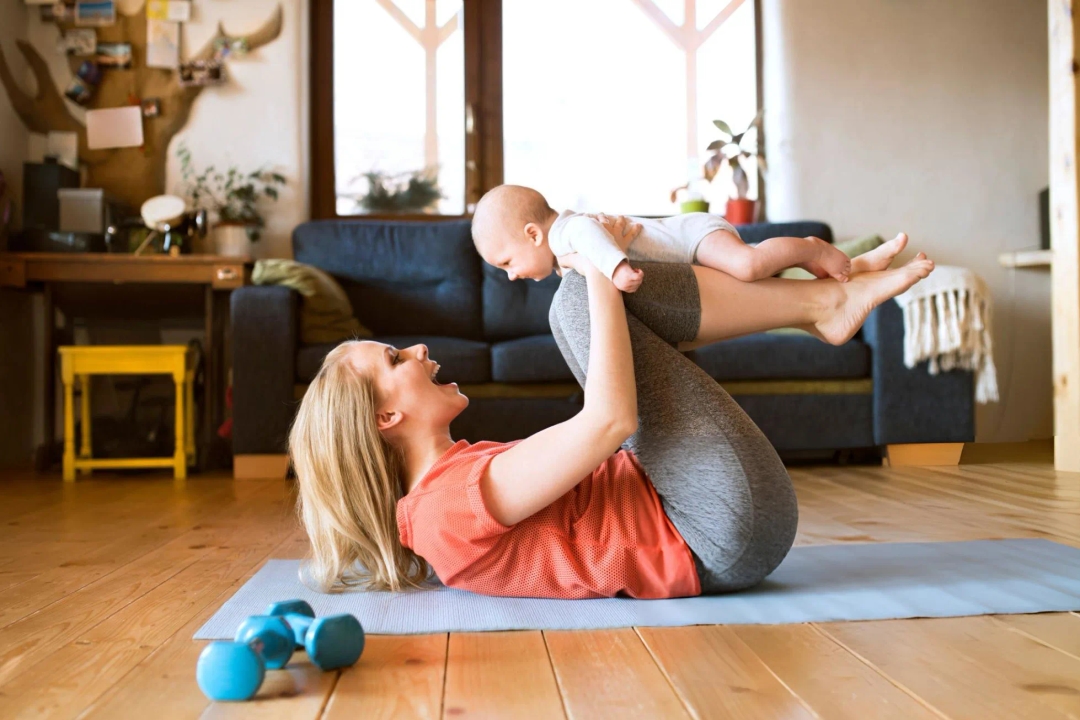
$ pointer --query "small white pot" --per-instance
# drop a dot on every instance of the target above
(232, 240)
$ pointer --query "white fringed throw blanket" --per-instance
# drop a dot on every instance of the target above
(947, 323)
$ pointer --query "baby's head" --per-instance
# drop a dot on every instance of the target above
(509, 229)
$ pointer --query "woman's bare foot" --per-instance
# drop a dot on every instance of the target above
(863, 293)
(880, 257)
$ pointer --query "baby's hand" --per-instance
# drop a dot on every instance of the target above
(627, 278)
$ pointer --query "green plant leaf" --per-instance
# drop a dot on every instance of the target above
(724, 127)
(716, 144)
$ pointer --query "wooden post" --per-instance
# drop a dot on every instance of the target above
(1065, 234)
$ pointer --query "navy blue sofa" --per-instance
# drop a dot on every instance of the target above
(413, 282)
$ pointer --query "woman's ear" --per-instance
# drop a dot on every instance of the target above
(387, 420)
(534, 233)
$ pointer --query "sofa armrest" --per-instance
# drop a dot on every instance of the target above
(911, 405)
(264, 342)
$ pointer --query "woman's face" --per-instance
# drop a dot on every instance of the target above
(407, 392)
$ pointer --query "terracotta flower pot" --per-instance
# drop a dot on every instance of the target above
(740, 211)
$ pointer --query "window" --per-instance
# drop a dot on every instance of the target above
(601, 105)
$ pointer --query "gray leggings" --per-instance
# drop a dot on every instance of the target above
(720, 481)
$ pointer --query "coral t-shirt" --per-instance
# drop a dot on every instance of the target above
(608, 536)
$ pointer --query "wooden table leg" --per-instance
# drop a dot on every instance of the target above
(45, 451)
(209, 387)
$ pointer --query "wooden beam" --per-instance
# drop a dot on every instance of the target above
(924, 454)
(1065, 233)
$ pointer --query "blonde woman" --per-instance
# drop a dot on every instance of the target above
(660, 486)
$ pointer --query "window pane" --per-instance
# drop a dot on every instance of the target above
(601, 120)
(727, 89)
(399, 104)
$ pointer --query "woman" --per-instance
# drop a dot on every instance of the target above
(697, 501)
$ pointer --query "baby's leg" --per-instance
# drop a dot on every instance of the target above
(724, 251)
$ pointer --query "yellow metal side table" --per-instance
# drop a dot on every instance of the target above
(83, 361)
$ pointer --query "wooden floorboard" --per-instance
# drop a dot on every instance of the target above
(104, 582)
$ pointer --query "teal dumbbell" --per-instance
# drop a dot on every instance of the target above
(331, 642)
(235, 670)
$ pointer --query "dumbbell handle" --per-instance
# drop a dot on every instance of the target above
(299, 624)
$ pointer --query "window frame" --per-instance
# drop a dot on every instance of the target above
(483, 109)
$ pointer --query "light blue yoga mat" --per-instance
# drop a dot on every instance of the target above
(814, 584)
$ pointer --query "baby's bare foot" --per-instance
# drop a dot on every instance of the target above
(831, 259)
(865, 292)
(880, 257)
(814, 269)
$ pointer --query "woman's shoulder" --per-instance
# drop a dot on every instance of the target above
(459, 463)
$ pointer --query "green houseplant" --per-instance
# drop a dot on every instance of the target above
(733, 148)
(410, 192)
(233, 197)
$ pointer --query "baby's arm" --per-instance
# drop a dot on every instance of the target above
(590, 238)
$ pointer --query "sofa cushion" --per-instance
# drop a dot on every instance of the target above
(759, 232)
(408, 278)
(462, 361)
(529, 359)
(516, 309)
(782, 357)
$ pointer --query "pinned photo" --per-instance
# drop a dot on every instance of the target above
(162, 44)
(151, 107)
(225, 46)
(171, 10)
(114, 56)
(89, 72)
(79, 91)
(95, 13)
(78, 42)
(57, 12)
(201, 72)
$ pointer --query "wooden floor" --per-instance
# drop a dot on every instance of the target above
(103, 583)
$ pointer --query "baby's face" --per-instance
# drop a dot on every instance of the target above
(520, 258)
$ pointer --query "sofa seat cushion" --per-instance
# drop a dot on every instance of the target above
(462, 361)
(529, 359)
(782, 357)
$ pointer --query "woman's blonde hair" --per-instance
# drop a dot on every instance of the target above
(350, 482)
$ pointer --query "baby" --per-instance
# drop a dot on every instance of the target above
(516, 230)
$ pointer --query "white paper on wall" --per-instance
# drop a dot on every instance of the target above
(162, 44)
(114, 127)
(171, 10)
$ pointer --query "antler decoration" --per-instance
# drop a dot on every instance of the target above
(129, 174)
(45, 111)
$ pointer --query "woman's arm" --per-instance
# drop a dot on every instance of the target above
(534, 473)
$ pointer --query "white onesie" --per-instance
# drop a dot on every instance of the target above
(671, 240)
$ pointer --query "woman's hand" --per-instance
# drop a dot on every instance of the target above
(579, 264)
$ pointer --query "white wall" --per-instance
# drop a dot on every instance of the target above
(928, 117)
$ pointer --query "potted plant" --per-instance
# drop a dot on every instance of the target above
(409, 192)
(732, 148)
(233, 197)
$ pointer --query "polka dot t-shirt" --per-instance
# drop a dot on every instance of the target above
(608, 536)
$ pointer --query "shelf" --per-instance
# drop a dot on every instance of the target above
(1027, 259)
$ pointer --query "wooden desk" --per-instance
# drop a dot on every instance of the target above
(217, 275)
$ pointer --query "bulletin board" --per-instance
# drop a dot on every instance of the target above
(126, 62)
